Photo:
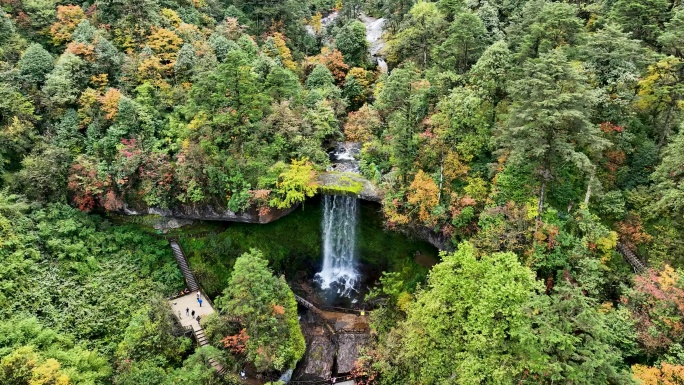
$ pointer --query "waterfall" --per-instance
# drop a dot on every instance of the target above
(340, 214)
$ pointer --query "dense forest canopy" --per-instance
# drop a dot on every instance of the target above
(530, 138)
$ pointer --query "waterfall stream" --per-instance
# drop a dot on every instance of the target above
(339, 272)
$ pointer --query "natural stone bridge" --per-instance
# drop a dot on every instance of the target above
(348, 183)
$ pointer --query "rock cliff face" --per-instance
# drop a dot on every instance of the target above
(342, 183)
(211, 213)
(437, 240)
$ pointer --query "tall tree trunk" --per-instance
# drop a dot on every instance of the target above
(665, 132)
(441, 177)
(587, 196)
(540, 206)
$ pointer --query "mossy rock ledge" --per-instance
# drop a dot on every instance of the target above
(211, 213)
(335, 183)
(347, 183)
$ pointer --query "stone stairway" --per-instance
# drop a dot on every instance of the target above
(183, 265)
(203, 341)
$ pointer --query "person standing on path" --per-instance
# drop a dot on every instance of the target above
(198, 319)
(198, 295)
(200, 301)
(193, 314)
(187, 311)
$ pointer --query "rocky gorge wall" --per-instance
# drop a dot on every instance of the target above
(340, 183)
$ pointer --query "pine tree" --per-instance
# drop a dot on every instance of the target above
(549, 122)
(267, 310)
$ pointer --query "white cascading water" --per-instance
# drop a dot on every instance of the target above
(340, 215)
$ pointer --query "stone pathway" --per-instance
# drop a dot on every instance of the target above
(190, 301)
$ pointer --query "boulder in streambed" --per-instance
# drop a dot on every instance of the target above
(348, 346)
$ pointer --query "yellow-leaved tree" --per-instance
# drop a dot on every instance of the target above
(295, 184)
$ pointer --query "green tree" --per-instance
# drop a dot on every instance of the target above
(133, 17)
(227, 103)
(669, 177)
(403, 100)
(221, 45)
(320, 77)
(465, 121)
(394, 11)
(548, 123)
(544, 26)
(185, 61)
(580, 341)
(423, 29)
(282, 84)
(354, 92)
(672, 38)
(467, 326)
(84, 32)
(491, 73)
(35, 63)
(614, 63)
(198, 369)
(140, 372)
(107, 58)
(612, 56)
(467, 39)
(17, 131)
(6, 27)
(351, 41)
(267, 309)
(149, 336)
(644, 19)
(294, 184)
(63, 84)
(43, 174)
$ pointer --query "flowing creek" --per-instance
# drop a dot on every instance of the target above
(374, 31)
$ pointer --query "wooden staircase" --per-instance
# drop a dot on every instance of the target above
(192, 284)
(637, 264)
(183, 265)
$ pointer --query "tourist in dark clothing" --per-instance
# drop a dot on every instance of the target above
(193, 314)
(198, 319)
(187, 311)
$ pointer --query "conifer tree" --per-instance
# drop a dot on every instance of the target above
(548, 122)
